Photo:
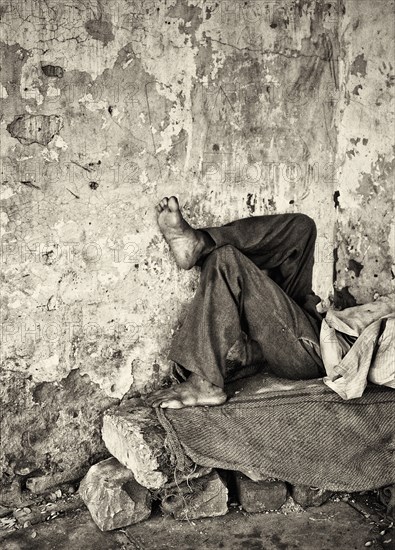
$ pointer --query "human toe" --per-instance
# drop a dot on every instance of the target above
(171, 404)
(154, 396)
(173, 204)
(164, 202)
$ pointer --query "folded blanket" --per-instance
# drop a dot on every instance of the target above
(300, 432)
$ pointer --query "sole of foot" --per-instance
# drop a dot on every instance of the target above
(184, 241)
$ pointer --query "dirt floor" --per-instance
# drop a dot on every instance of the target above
(344, 523)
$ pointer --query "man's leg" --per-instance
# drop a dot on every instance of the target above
(234, 296)
(283, 243)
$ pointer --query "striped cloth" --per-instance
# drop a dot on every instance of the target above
(299, 431)
(357, 347)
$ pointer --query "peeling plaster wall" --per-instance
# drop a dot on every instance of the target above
(239, 108)
(365, 232)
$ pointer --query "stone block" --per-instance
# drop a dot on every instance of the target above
(309, 496)
(260, 496)
(11, 495)
(137, 440)
(199, 498)
(113, 497)
(42, 484)
(135, 437)
(387, 497)
(4, 511)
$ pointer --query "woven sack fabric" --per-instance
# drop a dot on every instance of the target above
(305, 435)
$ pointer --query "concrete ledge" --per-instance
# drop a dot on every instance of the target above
(135, 438)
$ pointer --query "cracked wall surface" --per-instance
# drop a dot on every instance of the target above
(365, 231)
(240, 109)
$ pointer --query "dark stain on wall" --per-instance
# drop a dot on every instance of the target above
(343, 299)
(355, 266)
(335, 254)
(52, 71)
(356, 89)
(358, 67)
(11, 72)
(100, 30)
(190, 14)
(28, 129)
(251, 203)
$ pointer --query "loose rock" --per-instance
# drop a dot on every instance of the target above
(310, 496)
(137, 440)
(260, 496)
(4, 511)
(200, 498)
(42, 484)
(113, 497)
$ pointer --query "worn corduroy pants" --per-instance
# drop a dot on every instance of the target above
(255, 288)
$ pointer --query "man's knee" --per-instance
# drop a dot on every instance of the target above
(305, 225)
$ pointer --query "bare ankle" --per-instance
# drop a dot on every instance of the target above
(206, 242)
(201, 383)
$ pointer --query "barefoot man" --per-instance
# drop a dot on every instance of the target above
(255, 287)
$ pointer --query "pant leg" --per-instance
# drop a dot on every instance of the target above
(281, 243)
(234, 296)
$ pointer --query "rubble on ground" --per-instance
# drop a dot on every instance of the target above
(310, 496)
(200, 498)
(113, 496)
(260, 496)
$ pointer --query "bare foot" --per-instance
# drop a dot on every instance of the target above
(186, 243)
(193, 393)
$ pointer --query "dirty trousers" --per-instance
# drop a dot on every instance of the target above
(255, 289)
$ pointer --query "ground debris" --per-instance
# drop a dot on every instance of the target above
(291, 507)
(5, 511)
(198, 498)
(39, 510)
(113, 497)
